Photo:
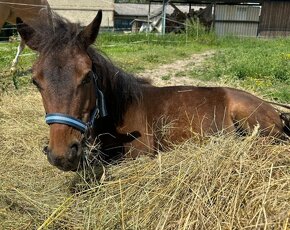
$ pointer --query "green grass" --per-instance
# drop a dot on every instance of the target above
(257, 65)
(136, 53)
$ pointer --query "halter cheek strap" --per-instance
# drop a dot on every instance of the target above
(100, 109)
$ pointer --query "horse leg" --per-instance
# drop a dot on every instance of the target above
(286, 119)
(140, 146)
(142, 143)
(265, 118)
(20, 48)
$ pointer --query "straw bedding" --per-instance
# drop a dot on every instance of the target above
(220, 183)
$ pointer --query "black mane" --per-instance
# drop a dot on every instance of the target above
(120, 88)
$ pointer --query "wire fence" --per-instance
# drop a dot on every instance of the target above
(9, 32)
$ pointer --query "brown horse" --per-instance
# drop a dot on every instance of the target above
(87, 98)
(27, 10)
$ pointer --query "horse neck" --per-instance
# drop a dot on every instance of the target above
(119, 88)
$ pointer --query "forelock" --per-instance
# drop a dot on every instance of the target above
(61, 33)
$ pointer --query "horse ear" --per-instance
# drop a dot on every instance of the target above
(89, 34)
(28, 34)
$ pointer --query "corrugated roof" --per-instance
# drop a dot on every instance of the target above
(81, 5)
(126, 9)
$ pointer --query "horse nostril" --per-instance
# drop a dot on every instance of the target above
(74, 149)
(45, 150)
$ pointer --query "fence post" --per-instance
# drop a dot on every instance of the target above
(197, 28)
(164, 16)
(186, 31)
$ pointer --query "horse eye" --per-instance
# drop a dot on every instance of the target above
(87, 79)
(35, 83)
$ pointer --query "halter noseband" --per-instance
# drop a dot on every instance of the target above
(99, 110)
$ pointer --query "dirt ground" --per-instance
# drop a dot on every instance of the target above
(167, 74)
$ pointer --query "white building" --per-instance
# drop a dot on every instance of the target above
(84, 11)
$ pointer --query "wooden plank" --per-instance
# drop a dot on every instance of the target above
(175, 7)
(274, 20)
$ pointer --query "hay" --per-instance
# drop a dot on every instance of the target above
(222, 183)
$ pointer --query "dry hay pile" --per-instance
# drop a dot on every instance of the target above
(222, 183)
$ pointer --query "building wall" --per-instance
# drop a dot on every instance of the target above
(84, 11)
(275, 19)
(237, 20)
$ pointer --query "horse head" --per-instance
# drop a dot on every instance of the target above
(63, 74)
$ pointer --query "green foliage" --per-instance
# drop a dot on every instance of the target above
(196, 31)
(258, 65)
(21, 77)
(166, 77)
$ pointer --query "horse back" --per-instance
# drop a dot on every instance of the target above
(167, 115)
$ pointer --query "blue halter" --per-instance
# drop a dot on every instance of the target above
(99, 110)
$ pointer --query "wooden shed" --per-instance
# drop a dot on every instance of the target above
(229, 17)
(131, 16)
(84, 11)
(268, 18)
(275, 19)
(127, 13)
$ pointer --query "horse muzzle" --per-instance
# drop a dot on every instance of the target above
(66, 162)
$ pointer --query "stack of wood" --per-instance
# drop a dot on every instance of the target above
(175, 22)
